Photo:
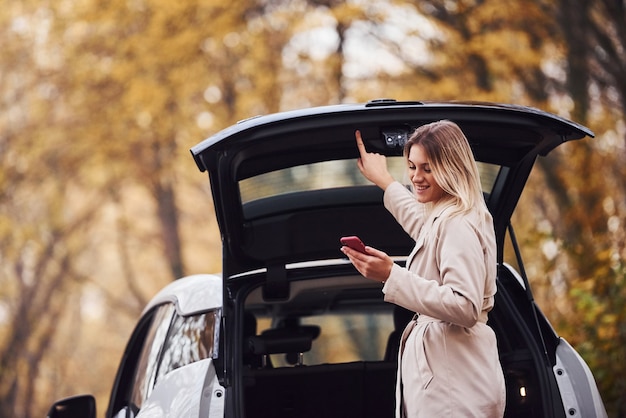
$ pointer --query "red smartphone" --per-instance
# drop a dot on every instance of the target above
(353, 242)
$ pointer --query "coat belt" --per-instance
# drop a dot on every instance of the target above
(424, 319)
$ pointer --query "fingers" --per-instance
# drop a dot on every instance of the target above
(375, 265)
(372, 165)
(376, 253)
(359, 164)
(357, 259)
(363, 257)
(353, 254)
(359, 143)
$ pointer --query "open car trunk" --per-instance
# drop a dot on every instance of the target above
(286, 188)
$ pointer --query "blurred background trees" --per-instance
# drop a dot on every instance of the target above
(101, 204)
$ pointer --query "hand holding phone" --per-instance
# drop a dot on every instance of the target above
(353, 242)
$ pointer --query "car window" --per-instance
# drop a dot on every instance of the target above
(189, 339)
(332, 174)
(509, 252)
(148, 361)
(344, 337)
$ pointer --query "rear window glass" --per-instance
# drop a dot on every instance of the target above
(344, 337)
(332, 174)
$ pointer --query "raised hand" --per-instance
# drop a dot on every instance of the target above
(373, 166)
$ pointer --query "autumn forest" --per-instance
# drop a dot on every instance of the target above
(101, 203)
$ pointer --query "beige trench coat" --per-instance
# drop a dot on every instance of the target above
(448, 362)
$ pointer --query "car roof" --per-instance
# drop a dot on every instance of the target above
(303, 226)
(191, 294)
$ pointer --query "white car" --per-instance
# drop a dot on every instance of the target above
(289, 328)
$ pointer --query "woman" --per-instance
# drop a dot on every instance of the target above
(448, 359)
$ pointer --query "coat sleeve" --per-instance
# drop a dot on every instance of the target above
(456, 296)
(405, 208)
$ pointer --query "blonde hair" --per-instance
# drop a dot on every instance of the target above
(451, 161)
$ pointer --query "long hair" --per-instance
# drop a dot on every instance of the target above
(451, 161)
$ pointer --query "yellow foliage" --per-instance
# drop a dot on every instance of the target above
(100, 103)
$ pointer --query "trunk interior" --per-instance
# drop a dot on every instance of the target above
(366, 388)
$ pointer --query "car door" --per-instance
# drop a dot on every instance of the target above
(168, 366)
(138, 370)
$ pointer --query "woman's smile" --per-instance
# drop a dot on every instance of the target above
(425, 186)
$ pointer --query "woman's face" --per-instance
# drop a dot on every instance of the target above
(426, 188)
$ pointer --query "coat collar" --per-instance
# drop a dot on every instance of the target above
(436, 212)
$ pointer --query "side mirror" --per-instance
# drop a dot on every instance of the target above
(81, 406)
